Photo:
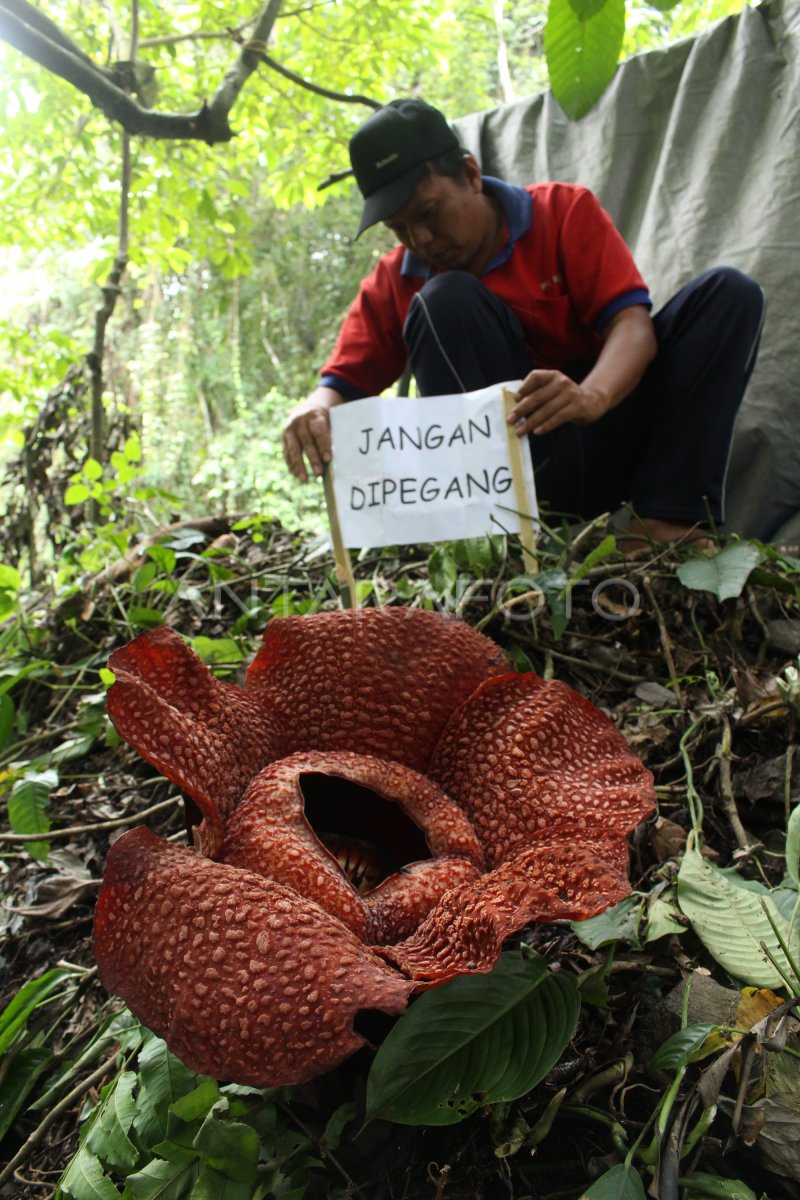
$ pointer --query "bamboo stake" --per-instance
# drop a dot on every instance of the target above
(344, 570)
(527, 529)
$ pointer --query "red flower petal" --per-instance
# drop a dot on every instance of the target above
(244, 979)
(553, 880)
(207, 736)
(398, 905)
(376, 681)
(269, 832)
(522, 755)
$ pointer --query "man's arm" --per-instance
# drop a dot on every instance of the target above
(547, 399)
(308, 432)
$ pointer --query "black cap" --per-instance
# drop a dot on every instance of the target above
(389, 153)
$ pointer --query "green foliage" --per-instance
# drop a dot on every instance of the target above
(23, 1056)
(702, 1186)
(620, 1183)
(27, 807)
(475, 1041)
(740, 927)
(10, 584)
(163, 1131)
(725, 574)
(582, 41)
(679, 1049)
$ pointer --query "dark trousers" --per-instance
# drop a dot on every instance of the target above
(665, 448)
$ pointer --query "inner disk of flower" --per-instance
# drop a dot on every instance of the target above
(369, 836)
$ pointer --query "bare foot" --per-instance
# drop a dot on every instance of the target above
(645, 532)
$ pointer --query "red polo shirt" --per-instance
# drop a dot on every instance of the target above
(564, 270)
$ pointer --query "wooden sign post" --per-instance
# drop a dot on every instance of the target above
(527, 529)
(341, 557)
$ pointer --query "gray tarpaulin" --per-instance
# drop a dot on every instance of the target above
(695, 152)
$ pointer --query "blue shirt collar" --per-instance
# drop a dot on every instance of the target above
(517, 206)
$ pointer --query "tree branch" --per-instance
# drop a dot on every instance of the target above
(314, 87)
(98, 85)
(236, 76)
(234, 33)
(37, 20)
(37, 37)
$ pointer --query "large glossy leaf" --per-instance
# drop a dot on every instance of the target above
(620, 1183)
(725, 574)
(582, 54)
(700, 1186)
(676, 1051)
(731, 922)
(479, 1039)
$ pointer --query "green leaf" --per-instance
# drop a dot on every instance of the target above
(620, 1183)
(27, 808)
(602, 551)
(677, 1050)
(164, 1079)
(229, 1146)
(10, 579)
(731, 923)
(107, 678)
(792, 846)
(7, 714)
(582, 55)
(85, 1179)
(14, 1016)
(725, 574)
(213, 1185)
(132, 450)
(479, 1039)
(584, 9)
(164, 557)
(20, 1072)
(144, 576)
(619, 923)
(442, 569)
(92, 469)
(108, 1137)
(76, 747)
(76, 493)
(662, 917)
(161, 1180)
(700, 1186)
(199, 1101)
(217, 649)
(146, 618)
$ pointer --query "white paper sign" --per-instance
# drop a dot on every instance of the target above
(425, 469)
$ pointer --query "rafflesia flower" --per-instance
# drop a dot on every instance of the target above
(384, 802)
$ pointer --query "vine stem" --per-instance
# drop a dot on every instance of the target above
(72, 830)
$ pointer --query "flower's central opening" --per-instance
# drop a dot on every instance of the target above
(370, 837)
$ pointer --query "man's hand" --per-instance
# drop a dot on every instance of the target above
(548, 399)
(307, 433)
